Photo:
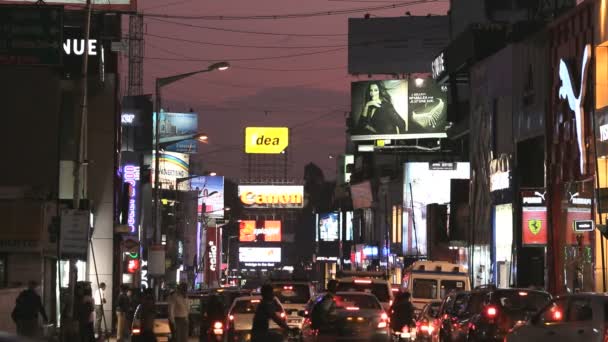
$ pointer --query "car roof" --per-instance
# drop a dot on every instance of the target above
(352, 280)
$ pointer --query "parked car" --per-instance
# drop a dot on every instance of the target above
(579, 317)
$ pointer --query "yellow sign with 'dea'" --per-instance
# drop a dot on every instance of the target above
(269, 140)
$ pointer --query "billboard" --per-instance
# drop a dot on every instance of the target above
(534, 226)
(213, 256)
(398, 109)
(211, 195)
(399, 45)
(272, 196)
(171, 167)
(361, 194)
(328, 227)
(107, 5)
(31, 35)
(267, 140)
(268, 230)
(177, 127)
(259, 256)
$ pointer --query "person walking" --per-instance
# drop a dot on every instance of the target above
(267, 310)
(178, 313)
(25, 314)
(122, 311)
(100, 300)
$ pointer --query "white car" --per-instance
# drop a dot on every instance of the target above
(380, 287)
(162, 329)
(293, 295)
(578, 317)
(240, 317)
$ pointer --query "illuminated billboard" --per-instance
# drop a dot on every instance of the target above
(328, 227)
(210, 195)
(268, 230)
(272, 196)
(114, 5)
(267, 140)
(259, 256)
(398, 109)
(177, 127)
(171, 167)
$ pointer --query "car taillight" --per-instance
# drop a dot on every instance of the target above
(382, 325)
(136, 331)
(384, 316)
(217, 325)
(491, 312)
(218, 328)
(231, 317)
(283, 315)
(405, 329)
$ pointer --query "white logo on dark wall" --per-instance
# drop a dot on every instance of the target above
(566, 92)
(77, 47)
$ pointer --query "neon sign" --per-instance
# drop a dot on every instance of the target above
(131, 177)
(566, 92)
(212, 256)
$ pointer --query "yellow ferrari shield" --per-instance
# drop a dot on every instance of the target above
(534, 226)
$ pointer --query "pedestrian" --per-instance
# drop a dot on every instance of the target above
(84, 314)
(178, 313)
(25, 314)
(267, 310)
(122, 310)
(100, 300)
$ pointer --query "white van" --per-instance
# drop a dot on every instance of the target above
(429, 281)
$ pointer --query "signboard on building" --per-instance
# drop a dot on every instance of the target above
(260, 231)
(534, 218)
(272, 196)
(213, 256)
(259, 256)
(132, 182)
(328, 227)
(266, 140)
(171, 167)
(397, 109)
(74, 236)
(210, 195)
(177, 127)
(31, 35)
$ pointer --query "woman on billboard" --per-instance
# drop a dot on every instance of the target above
(379, 115)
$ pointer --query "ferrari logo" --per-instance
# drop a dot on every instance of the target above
(534, 226)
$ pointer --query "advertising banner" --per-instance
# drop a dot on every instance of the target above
(398, 109)
(574, 215)
(74, 236)
(534, 226)
(31, 35)
(259, 256)
(329, 227)
(213, 256)
(106, 5)
(211, 195)
(272, 196)
(132, 189)
(178, 127)
(267, 140)
(268, 230)
(171, 167)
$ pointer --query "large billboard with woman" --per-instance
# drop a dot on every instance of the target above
(398, 109)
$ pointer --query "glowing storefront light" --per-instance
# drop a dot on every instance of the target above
(131, 177)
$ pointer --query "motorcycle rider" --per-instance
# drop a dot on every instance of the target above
(266, 310)
(402, 312)
(323, 315)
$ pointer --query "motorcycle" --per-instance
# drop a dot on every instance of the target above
(406, 334)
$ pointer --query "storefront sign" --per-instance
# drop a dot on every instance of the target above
(576, 103)
(574, 199)
(583, 226)
(212, 255)
(448, 166)
(77, 47)
(500, 181)
(534, 226)
(131, 177)
(272, 196)
(212, 251)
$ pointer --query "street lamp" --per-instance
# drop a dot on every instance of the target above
(161, 82)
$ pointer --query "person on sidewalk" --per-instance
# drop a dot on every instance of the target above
(25, 314)
(100, 300)
(178, 313)
(122, 312)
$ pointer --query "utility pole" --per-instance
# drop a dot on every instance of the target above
(81, 152)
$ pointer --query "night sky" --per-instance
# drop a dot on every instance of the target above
(310, 93)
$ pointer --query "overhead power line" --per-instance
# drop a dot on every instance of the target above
(251, 32)
(244, 46)
(246, 59)
(292, 15)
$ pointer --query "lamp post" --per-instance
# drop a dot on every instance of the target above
(161, 82)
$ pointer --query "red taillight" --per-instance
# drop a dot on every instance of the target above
(557, 315)
(405, 329)
(363, 281)
(287, 287)
(352, 308)
(218, 325)
(231, 317)
(491, 312)
(283, 315)
(384, 316)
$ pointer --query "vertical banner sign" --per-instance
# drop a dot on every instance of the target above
(131, 178)
(213, 261)
(534, 218)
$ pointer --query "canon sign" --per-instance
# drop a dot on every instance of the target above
(272, 196)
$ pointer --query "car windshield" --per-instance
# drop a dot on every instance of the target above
(425, 288)
(521, 301)
(292, 293)
(381, 291)
(355, 302)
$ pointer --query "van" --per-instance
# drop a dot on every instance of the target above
(429, 281)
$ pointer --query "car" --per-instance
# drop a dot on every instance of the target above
(488, 313)
(240, 318)
(293, 295)
(359, 316)
(162, 329)
(368, 282)
(426, 321)
(577, 317)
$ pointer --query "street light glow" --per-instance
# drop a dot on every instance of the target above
(221, 66)
(212, 173)
(203, 138)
